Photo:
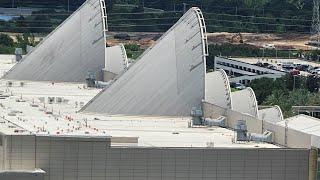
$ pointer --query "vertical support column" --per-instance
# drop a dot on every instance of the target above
(313, 164)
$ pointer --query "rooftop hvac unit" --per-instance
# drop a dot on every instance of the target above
(51, 100)
(265, 137)
(220, 121)
(9, 84)
(91, 79)
(102, 85)
(18, 53)
(59, 100)
(241, 130)
(196, 112)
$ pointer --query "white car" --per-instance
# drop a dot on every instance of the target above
(269, 46)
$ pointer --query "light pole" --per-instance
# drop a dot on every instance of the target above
(184, 7)
(68, 6)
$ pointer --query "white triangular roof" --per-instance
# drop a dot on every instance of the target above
(168, 79)
(68, 53)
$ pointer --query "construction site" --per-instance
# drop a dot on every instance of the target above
(75, 109)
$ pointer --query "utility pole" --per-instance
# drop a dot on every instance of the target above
(12, 3)
(286, 132)
(68, 6)
(315, 28)
(184, 7)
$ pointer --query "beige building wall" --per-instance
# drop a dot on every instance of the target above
(298, 139)
(254, 125)
(73, 158)
(20, 152)
(206, 164)
(2, 152)
(278, 132)
(60, 157)
(290, 138)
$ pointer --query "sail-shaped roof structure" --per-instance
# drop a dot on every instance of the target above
(167, 80)
(75, 48)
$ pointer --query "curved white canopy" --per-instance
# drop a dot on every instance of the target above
(245, 101)
(116, 61)
(273, 114)
(218, 90)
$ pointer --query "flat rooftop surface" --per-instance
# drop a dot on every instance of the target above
(47, 109)
(6, 63)
(303, 123)
(29, 109)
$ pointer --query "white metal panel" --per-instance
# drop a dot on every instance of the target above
(244, 101)
(315, 141)
(116, 60)
(168, 79)
(218, 89)
(68, 53)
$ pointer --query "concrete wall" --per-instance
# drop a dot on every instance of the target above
(89, 159)
(298, 139)
(60, 157)
(278, 132)
(2, 152)
(205, 164)
(20, 152)
(295, 139)
(212, 111)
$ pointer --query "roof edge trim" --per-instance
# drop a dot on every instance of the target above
(254, 98)
(228, 88)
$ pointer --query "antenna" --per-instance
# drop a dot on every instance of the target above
(315, 28)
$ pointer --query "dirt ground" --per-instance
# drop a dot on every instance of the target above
(280, 41)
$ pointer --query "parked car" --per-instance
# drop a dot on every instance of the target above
(303, 67)
(239, 86)
(315, 71)
(295, 72)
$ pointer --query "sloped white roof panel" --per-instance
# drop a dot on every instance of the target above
(273, 114)
(218, 89)
(68, 53)
(244, 101)
(167, 80)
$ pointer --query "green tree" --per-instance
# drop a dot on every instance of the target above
(6, 40)
(263, 88)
